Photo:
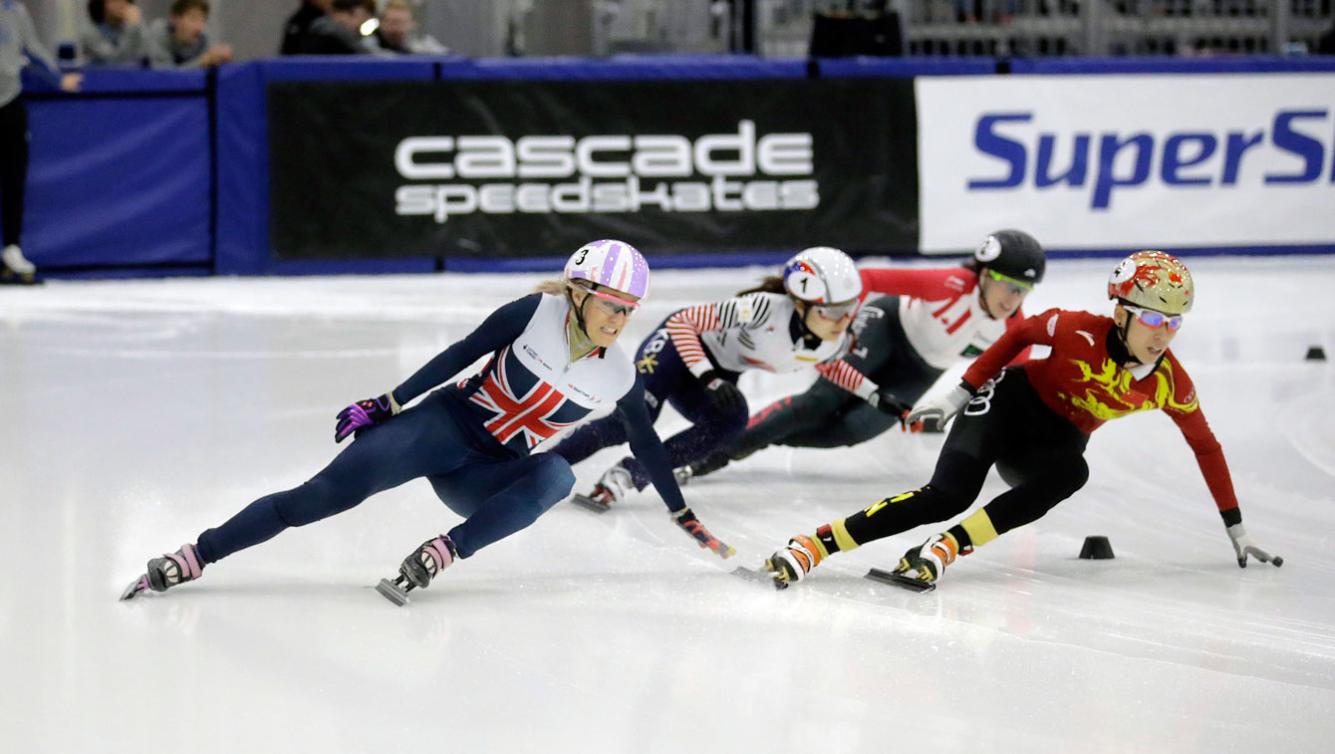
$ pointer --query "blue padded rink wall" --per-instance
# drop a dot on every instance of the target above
(139, 412)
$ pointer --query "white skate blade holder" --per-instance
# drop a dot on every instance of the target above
(904, 582)
(584, 501)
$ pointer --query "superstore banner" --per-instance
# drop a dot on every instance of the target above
(1121, 161)
(504, 168)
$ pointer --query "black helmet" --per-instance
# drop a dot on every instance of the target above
(1012, 253)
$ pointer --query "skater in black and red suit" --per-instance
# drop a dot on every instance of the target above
(1033, 422)
(932, 319)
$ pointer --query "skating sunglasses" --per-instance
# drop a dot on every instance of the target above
(1155, 320)
(836, 312)
(1011, 284)
(614, 305)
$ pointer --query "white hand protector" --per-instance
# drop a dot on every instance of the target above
(935, 411)
(1244, 546)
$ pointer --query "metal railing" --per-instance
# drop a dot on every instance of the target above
(1067, 27)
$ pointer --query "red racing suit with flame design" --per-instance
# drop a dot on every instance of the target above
(1080, 381)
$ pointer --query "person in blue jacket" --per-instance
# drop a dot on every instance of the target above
(554, 361)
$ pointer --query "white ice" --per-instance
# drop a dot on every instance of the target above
(135, 414)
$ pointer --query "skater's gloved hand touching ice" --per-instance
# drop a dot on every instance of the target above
(687, 521)
(723, 394)
(363, 414)
(1243, 546)
(933, 411)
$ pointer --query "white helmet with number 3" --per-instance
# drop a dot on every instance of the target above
(822, 275)
(611, 264)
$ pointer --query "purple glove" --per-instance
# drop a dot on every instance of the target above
(363, 414)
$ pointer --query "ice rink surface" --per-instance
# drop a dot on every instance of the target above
(136, 414)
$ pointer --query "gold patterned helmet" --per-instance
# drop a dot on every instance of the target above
(1153, 280)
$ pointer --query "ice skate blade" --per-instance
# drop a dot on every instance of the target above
(758, 576)
(391, 591)
(134, 589)
(9, 277)
(894, 579)
(584, 501)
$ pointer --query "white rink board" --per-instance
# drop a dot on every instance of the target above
(1168, 160)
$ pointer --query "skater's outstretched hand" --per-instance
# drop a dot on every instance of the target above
(889, 403)
(723, 394)
(687, 521)
(363, 414)
(1243, 546)
(935, 411)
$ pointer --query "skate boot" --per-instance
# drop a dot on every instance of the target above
(709, 465)
(928, 561)
(418, 569)
(612, 488)
(167, 571)
(15, 268)
(683, 475)
(792, 564)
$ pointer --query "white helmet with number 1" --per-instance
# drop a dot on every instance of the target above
(822, 275)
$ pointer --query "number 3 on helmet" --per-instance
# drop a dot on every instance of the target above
(611, 264)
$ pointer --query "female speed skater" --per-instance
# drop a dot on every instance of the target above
(1033, 422)
(796, 321)
(904, 341)
(554, 360)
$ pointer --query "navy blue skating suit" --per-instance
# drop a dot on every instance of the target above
(474, 440)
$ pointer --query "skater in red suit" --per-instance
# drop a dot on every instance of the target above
(1033, 422)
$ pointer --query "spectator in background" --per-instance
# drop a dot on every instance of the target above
(1325, 45)
(299, 23)
(179, 41)
(340, 31)
(18, 46)
(116, 34)
(397, 33)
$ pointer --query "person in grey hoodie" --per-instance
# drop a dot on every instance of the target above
(180, 41)
(116, 34)
(18, 46)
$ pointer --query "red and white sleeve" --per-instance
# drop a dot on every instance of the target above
(685, 328)
(847, 376)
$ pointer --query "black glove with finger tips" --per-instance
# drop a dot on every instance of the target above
(723, 394)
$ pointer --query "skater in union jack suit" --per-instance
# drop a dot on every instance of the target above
(554, 360)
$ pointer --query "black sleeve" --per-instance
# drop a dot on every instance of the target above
(503, 326)
(871, 349)
(647, 447)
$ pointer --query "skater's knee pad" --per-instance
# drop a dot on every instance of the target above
(731, 424)
(1010, 474)
(556, 472)
(1071, 474)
